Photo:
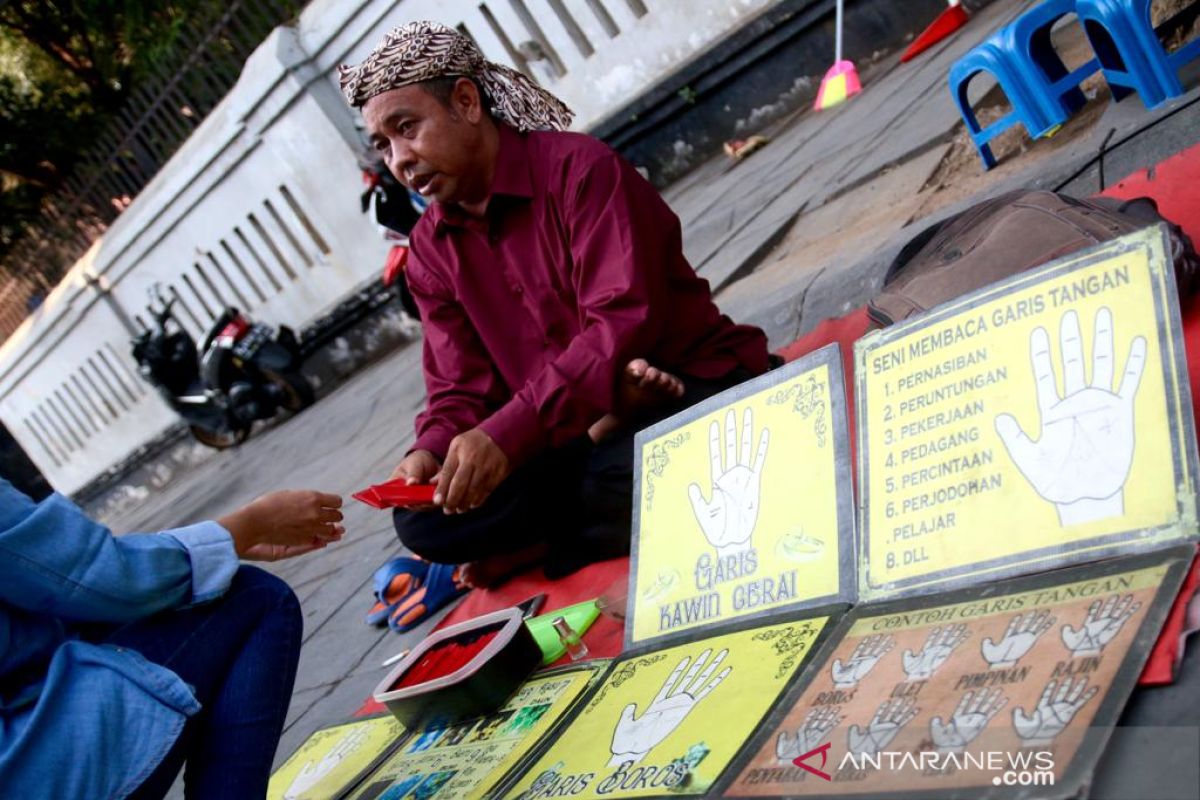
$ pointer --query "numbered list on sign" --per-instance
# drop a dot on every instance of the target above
(929, 441)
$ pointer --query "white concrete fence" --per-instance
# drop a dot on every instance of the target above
(260, 209)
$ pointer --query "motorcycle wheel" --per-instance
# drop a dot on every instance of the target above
(298, 393)
(218, 440)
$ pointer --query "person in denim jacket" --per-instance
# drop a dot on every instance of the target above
(122, 658)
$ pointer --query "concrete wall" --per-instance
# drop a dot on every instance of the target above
(600, 54)
(260, 209)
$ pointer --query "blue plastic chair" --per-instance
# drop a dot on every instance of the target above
(988, 57)
(1130, 53)
(1042, 91)
(1029, 35)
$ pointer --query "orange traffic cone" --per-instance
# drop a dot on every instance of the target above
(841, 81)
(946, 23)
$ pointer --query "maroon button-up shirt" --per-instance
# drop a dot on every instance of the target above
(531, 312)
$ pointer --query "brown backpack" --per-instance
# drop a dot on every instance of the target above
(1010, 234)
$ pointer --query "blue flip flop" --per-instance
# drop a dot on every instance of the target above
(443, 583)
(393, 583)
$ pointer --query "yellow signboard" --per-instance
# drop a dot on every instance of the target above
(330, 759)
(952, 695)
(744, 504)
(668, 722)
(467, 760)
(1042, 421)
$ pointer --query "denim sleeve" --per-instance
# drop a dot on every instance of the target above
(212, 556)
(55, 560)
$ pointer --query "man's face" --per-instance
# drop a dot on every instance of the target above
(432, 149)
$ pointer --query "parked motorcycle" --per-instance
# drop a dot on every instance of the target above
(396, 210)
(243, 371)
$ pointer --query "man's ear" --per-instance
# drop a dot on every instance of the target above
(465, 100)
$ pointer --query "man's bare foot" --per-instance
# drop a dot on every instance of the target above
(488, 573)
(639, 388)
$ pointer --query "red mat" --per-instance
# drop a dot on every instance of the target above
(1173, 184)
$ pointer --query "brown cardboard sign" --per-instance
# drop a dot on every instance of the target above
(984, 691)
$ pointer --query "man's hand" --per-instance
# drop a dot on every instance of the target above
(418, 467)
(284, 524)
(475, 466)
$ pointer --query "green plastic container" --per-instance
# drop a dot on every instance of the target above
(579, 616)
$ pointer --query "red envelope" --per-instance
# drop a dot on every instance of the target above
(396, 494)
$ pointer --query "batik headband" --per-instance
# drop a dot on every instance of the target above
(424, 51)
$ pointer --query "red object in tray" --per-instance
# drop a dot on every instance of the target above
(447, 658)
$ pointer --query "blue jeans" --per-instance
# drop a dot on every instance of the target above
(239, 654)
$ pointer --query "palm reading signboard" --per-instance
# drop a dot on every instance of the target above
(331, 759)
(1011, 686)
(1041, 421)
(468, 759)
(667, 723)
(743, 504)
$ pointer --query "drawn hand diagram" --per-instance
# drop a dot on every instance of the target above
(889, 719)
(862, 660)
(940, 643)
(1082, 456)
(314, 771)
(818, 722)
(1102, 623)
(972, 714)
(1054, 711)
(1019, 638)
(634, 738)
(730, 512)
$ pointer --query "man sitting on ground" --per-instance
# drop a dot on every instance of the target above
(560, 314)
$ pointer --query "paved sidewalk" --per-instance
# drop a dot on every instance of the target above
(797, 232)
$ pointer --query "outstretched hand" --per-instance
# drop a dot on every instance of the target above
(285, 523)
